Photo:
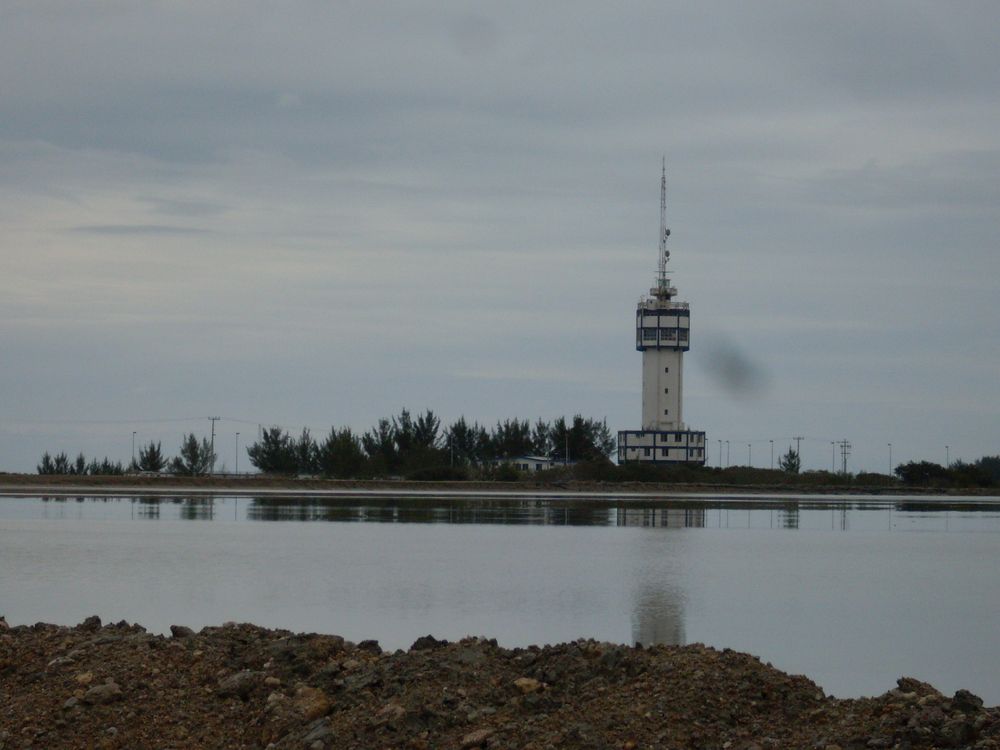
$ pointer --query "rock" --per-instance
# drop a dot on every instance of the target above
(240, 684)
(181, 631)
(272, 681)
(956, 733)
(427, 643)
(390, 713)
(91, 624)
(318, 731)
(84, 678)
(71, 702)
(3, 624)
(371, 646)
(311, 702)
(527, 684)
(476, 738)
(105, 638)
(468, 656)
(910, 685)
(966, 702)
(106, 693)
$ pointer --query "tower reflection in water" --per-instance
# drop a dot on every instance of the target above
(658, 609)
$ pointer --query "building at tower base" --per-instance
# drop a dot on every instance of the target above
(662, 334)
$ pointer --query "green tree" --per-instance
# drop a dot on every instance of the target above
(274, 453)
(511, 438)
(194, 458)
(790, 463)
(151, 457)
(340, 455)
(403, 435)
(61, 464)
(587, 439)
(426, 431)
(466, 444)
(922, 472)
(47, 465)
(991, 466)
(306, 453)
(541, 438)
(380, 447)
(58, 464)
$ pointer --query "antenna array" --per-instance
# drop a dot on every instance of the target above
(662, 282)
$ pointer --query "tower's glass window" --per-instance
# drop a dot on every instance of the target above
(649, 334)
(668, 334)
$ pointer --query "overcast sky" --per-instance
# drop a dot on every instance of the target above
(317, 213)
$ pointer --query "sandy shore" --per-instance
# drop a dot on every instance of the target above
(240, 686)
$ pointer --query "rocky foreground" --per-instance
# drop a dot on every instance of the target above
(240, 686)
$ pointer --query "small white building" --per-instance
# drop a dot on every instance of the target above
(529, 464)
(662, 334)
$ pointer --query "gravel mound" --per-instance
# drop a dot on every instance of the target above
(241, 686)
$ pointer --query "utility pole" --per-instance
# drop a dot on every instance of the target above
(749, 456)
(720, 454)
(947, 456)
(845, 451)
(214, 420)
(798, 450)
(133, 449)
(890, 459)
(237, 454)
(833, 456)
(772, 455)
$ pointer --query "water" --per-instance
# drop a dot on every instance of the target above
(851, 592)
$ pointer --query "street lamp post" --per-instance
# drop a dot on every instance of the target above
(237, 454)
(133, 448)
(947, 456)
(749, 456)
(727, 453)
(833, 457)
(772, 454)
(890, 459)
(720, 454)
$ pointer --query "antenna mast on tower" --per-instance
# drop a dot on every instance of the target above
(662, 283)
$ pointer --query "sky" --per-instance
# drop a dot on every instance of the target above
(319, 213)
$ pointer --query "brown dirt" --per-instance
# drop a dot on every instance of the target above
(240, 686)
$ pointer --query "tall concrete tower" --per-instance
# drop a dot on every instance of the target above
(662, 334)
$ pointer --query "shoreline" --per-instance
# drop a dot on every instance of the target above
(14, 484)
(113, 686)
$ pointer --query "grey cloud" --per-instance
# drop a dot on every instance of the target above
(279, 207)
(184, 207)
(138, 229)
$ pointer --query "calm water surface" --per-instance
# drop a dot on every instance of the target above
(851, 592)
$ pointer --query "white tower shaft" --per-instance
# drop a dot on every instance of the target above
(662, 334)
